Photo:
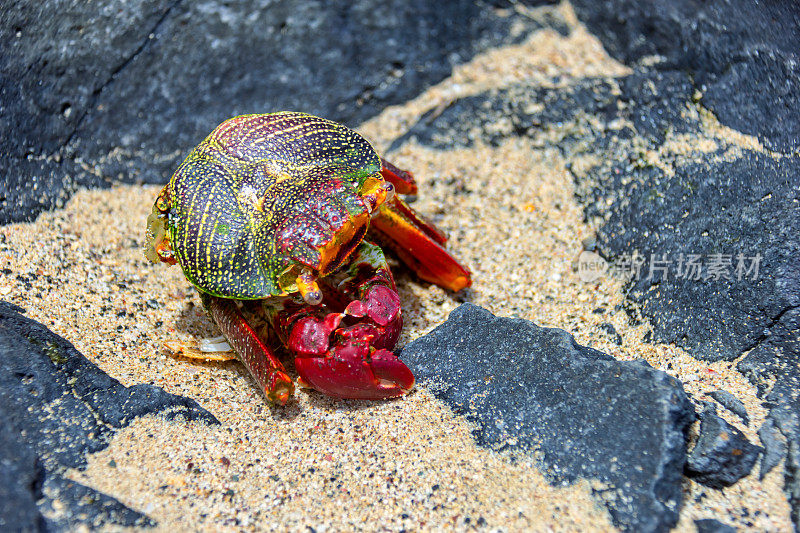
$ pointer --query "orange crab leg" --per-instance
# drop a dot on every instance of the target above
(403, 180)
(254, 354)
(404, 183)
(419, 245)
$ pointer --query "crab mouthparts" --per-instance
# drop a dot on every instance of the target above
(330, 256)
(346, 238)
(335, 252)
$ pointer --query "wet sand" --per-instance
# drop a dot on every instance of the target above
(408, 464)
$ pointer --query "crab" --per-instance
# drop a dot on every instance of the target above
(268, 218)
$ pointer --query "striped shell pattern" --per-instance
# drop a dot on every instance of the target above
(254, 201)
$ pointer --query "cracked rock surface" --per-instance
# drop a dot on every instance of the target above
(708, 213)
(722, 455)
(113, 90)
(693, 153)
(587, 415)
(57, 407)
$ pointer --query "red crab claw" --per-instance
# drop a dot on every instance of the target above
(342, 347)
(349, 370)
(419, 244)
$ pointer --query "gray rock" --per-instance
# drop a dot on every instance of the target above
(739, 210)
(19, 474)
(80, 505)
(56, 408)
(742, 55)
(709, 525)
(645, 209)
(743, 58)
(110, 90)
(732, 404)
(774, 447)
(710, 314)
(57, 57)
(587, 415)
(773, 367)
(722, 455)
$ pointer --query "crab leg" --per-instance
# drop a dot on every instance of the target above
(418, 243)
(341, 347)
(251, 351)
(403, 180)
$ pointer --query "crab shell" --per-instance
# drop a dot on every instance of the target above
(263, 201)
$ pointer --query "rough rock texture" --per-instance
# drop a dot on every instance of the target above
(733, 208)
(732, 404)
(589, 416)
(743, 59)
(774, 447)
(742, 55)
(709, 525)
(722, 455)
(108, 90)
(712, 316)
(774, 366)
(57, 407)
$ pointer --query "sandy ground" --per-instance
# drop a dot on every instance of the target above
(407, 464)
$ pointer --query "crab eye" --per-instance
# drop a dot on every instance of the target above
(309, 290)
(313, 297)
(389, 188)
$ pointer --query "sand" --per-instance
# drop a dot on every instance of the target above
(408, 464)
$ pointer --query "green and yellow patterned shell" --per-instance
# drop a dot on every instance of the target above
(261, 196)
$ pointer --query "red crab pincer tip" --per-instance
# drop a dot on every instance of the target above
(349, 372)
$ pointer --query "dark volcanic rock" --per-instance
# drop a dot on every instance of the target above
(534, 389)
(714, 234)
(740, 232)
(709, 525)
(57, 407)
(732, 404)
(743, 58)
(19, 475)
(33, 185)
(742, 55)
(774, 366)
(57, 56)
(126, 89)
(774, 447)
(82, 505)
(722, 455)
(708, 208)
